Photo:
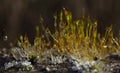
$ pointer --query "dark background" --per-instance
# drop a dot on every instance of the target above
(22, 16)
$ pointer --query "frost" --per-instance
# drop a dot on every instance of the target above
(23, 65)
(8, 65)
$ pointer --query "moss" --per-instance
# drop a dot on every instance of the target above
(77, 38)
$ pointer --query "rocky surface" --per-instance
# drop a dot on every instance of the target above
(60, 64)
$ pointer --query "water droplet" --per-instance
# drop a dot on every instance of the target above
(5, 38)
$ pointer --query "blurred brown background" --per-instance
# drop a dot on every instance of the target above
(21, 16)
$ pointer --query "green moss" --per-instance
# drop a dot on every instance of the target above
(77, 38)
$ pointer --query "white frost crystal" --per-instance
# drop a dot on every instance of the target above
(8, 65)
(24, 65)
(58, 60)
(83, 66)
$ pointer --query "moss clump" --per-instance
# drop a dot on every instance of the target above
(77, 38)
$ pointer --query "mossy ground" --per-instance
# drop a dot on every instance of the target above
(77, 38)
